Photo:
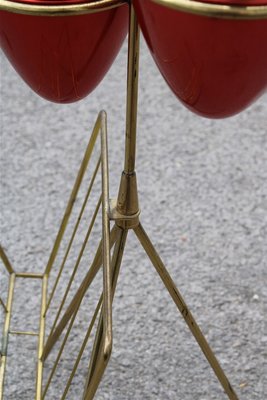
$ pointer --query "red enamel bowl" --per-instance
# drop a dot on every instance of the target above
(213, 57)
(62, 51)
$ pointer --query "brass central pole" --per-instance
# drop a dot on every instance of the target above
(127, 203)
(132, 92)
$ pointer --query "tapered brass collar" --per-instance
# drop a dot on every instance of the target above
(125, 211)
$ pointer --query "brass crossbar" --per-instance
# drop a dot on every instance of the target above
(24, 333)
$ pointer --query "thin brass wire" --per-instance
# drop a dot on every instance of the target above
(73, 196)
(39, 374)
(60, 351)
(87, 336)
(6, 261)
(76, 266)
(74, 233)
(95, 266)
(6, 332)
(64, 298)
(3, 305)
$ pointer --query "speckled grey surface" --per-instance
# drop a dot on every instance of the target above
(203, 194)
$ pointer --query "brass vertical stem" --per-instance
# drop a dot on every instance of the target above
(39, 376)
(107, 287)
(6, 332)
(127, 202)
(132, 93)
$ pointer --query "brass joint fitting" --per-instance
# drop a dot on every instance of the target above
(125, 210)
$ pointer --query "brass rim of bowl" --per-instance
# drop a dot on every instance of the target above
(60, 10)
(216, 10)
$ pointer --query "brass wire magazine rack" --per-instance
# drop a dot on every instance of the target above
(118, 216)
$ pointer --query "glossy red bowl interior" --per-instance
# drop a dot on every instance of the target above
(215, 66)
(63, 58)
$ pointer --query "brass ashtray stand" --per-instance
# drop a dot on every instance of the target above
(124, 214)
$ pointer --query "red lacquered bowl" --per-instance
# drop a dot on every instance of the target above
(62, 50)
(213, 56)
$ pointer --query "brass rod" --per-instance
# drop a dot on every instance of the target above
(60, 351)
(73, 196)
(127, 202)
(132, 92)
(6, 261)
(96, 367)
(74, 304)
(96, 264)
(184, 310)
(2, 375)
(29, 275)
(107, 282)
(39, 377)
(87, 336)
(73, 234)
(76, 266)
(3, 305)
(6, 332)
(26, 333)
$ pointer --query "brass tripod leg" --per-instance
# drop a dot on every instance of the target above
(182, 307)
(98, 362)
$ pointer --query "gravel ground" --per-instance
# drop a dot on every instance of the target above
(203, 195)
